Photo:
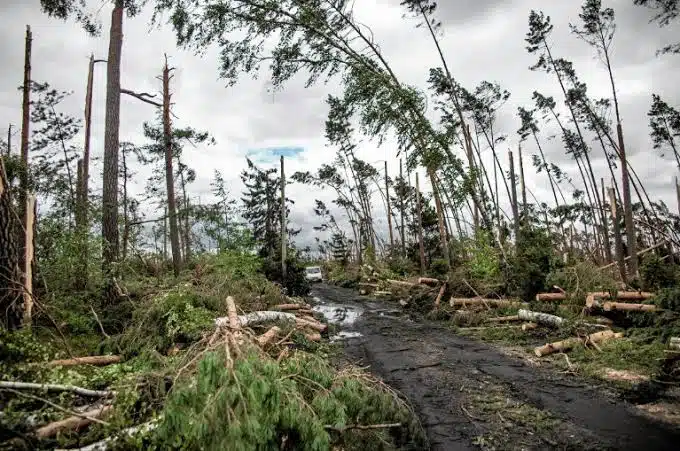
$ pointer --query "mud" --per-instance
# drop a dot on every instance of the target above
(468, 395)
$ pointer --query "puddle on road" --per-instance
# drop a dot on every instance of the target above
(341, 315)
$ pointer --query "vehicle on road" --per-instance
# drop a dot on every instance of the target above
(313, 274)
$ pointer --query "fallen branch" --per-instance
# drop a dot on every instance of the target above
(541, 318)
(75, 422)
(609, 306)
(104, 444)
(502, 319)
(54, 387)
(141, 96)
(363, 427)
(97, 360)
(639, 253)
(565, 345)
(463, 302)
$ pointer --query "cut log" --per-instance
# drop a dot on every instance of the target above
(401, 282)
(311, 324)
(541, 318)
(551, 296)
(73, 423)
(313, 336)
(97, 360)
(267, 337)
(305, 311)
(565, 345)
(502, 319)
(674, 343)
(232, 314)
(610, 306)
(428, 281)
(529, 326)
(463, 302)
(438, 299)
(58, 388)
(623, 295)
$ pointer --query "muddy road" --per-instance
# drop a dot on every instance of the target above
(469, 395)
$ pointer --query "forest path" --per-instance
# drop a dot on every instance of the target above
(469, 395)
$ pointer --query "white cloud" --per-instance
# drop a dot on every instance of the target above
(482, 40)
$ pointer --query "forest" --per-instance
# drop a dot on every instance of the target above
(155, 320)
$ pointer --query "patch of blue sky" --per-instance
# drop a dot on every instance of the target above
(270, 154)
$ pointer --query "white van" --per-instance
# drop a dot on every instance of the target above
(313, 274)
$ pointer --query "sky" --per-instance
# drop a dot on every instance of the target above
(482, 40)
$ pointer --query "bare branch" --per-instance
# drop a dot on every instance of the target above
(142, 96)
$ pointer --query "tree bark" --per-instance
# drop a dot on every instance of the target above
(25, 129)
(28, 262)
(169, 174)
(522, 183)
(111, 143)
(284, 234)
(617, 235)
(541, 318)
(513, 189)
(401, 210)
(421, 245)
(10, 274)
(389, 210)
(627, 205)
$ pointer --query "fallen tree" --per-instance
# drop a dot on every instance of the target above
(97, 360)
(463, 302)
(58, 388)
(569, 343)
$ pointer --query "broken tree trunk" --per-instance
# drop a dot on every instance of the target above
(565, 345)
(73, 423)
(541, 318)
(97, 360)
(28, 262)
(284, 307)
(438, 300)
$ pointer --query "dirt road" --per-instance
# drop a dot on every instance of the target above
(469, 395)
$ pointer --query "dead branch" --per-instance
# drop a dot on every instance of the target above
(362, 426)
(565, 345)
(101, 327)
(97, 360)
(142, 96)
(55, 387)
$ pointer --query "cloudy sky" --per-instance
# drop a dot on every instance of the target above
(483, 40)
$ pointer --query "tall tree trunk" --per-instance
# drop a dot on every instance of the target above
(443, 237)
(617, 235)
(165, 234)
(513, 200)
(284, 233)
(389, 210)
(126, 217)
(169, 174)
(186, 235)
(522, 183)
(421, 245)
(605, 226)
(10, 273)
(25, 125)
(28, 262)
(111, 143)
(401, 211)
(9, 141)
(627, 206)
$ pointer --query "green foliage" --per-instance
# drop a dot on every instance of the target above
(528, 267)
(483, 258)
(656, 274)
(21, 346)
(180, 315)
(260, 404)
(581, 278)
(669, 298)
